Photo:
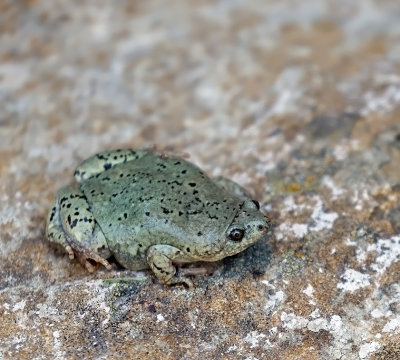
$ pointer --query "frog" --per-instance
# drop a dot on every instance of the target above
(152, 210)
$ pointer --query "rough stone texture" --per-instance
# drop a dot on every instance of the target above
(297, 100)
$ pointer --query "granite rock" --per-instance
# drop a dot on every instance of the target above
(297, 101)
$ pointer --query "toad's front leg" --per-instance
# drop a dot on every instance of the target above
(70, 224)
(161, 259)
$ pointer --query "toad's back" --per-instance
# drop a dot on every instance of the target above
(137, 202)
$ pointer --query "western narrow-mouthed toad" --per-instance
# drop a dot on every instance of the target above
(153, 211)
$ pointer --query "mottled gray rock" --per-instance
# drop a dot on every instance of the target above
(297, 101)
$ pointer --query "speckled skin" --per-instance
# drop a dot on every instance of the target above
(152, 210)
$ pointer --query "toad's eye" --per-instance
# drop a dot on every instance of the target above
(256, 203)
(236, 234)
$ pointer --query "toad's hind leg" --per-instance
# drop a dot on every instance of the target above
(103, 161)
(71, 225)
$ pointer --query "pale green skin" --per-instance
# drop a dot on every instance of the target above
(152, 211)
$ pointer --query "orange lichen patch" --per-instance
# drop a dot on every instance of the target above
(289, 188)
(293, 187)
(310, 182)
(302, 256)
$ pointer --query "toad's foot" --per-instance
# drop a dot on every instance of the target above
(84, 255)
(181, 279)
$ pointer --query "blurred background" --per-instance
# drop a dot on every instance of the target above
(218, 78)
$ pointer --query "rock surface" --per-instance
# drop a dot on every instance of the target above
(297, 100)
